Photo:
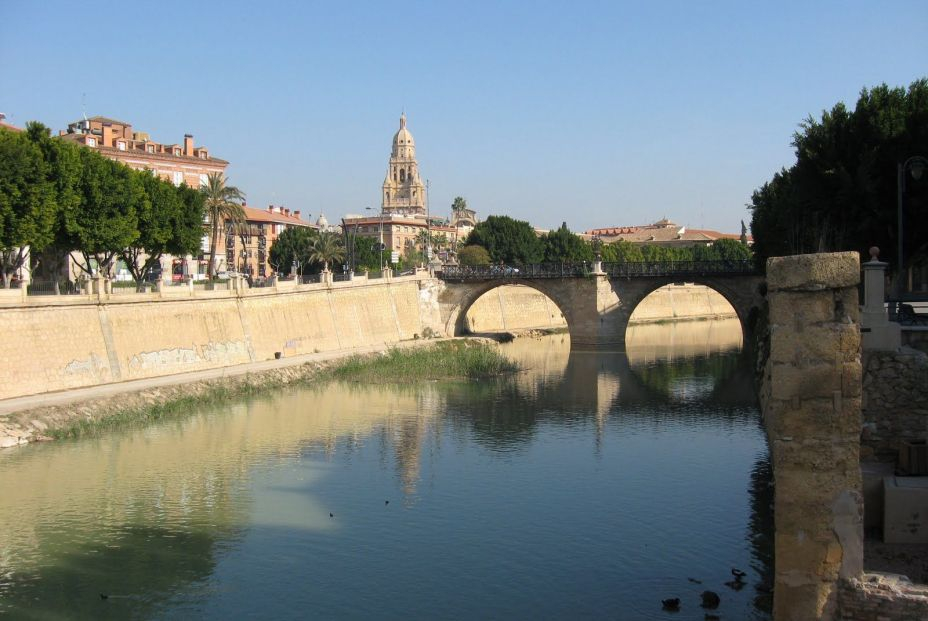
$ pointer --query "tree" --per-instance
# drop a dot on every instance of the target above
(28, 207)
(473, 256)
(841, 192)
(64, 172)
(562, 246)
(459, 204)
(106, 220)
(222, 203)
(170, 222)
(326, 248)
(507, 240)
(294, 244)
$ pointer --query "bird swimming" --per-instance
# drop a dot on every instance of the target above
(671, 604)
(737, 573)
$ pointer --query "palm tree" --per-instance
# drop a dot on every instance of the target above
(326, 247)
(222, 203)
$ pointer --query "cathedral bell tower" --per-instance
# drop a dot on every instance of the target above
(403, 191)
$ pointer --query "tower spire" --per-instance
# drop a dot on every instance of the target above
(403, 119)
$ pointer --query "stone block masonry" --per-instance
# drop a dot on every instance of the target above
(811, 403)
(895, 405)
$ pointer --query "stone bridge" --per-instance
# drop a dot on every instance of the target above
(597, 303)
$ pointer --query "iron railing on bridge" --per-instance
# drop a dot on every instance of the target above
(576, 270)
(680, 268)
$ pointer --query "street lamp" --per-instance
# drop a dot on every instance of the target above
(916, 165)
(380, 217)
(428, 226)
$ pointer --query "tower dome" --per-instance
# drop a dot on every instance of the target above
(403, 143)
(322, 222)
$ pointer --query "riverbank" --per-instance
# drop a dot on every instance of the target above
(100, 409)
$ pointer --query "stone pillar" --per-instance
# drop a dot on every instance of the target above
(598, 265)
(387, 273)
(326, 278)
(877, 332)
(811, 404)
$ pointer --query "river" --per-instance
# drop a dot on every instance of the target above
(592, 485)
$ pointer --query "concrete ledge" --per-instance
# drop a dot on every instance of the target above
(813, 272)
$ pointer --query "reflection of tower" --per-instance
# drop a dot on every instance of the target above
(407, 443)
(403, 190)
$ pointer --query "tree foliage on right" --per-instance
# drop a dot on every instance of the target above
(507, 240)
(841, 193)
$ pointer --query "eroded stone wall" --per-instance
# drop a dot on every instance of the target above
(811, 404)
(895, 402)
(878, 597)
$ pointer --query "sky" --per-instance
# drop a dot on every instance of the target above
(595, 114)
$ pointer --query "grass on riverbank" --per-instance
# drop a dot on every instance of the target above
(443, 360)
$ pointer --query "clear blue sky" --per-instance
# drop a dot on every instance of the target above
(593, 113)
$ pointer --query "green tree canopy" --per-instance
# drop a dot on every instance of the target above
(171, 221)
(106, 220)
(473, 256)
(293, 244)
(841, 192)
(562, 246)
(507, 240)
(28, 206)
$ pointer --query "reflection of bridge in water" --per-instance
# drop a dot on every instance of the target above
(597, 300)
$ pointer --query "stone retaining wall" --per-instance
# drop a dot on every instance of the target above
(895, 402)
(57, 342)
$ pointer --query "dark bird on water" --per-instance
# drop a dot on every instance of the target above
(710, 599)
(736, 584)
(386, 502)
(671, 604)
(331, 515)
(103, 596)
(737, 573)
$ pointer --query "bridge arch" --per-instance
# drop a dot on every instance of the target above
(455, 316)
(741, 296)
(596, 306)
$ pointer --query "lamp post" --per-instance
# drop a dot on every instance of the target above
(428, 226)
(917, 164)
(380, 218)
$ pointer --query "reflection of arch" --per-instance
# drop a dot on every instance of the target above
(402, 175)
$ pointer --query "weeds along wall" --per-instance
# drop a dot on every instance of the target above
(57, 343)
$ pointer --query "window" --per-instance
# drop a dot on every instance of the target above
(202, 155)
(121, 145)
(150, 148)
(204, 180)
(177, 152)
(178, 177)
(91, 142)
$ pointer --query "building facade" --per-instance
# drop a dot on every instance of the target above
(248, 246)
(663, 233)
(177, 163)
